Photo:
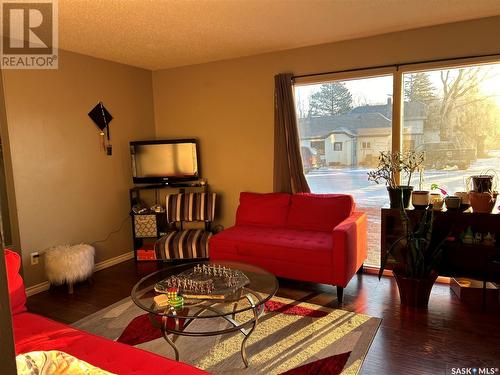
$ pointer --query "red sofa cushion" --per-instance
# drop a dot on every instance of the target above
(320, 212)
(287, 245)
(34, 332)
(267, 210)
(15, 282)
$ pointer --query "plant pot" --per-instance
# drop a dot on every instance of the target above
(420, 199)
(482, 183)
(400, 194)
(452, 202)
(415, 292)
(437, 201)
(464, 200)
(482, 202)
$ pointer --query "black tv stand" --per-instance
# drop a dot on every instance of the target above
(152, 194)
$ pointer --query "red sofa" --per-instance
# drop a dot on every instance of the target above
(310, 237)
(33, 332)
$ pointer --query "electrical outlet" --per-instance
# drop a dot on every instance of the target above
(34, 258)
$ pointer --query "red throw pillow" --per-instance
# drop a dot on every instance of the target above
(15, 282)
(266, 210)
(319, 212)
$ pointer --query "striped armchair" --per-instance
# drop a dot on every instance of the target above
(187, 243)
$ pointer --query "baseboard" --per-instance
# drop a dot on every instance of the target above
(38, 288)
(113, 261)
(42, 287)
(375, 270)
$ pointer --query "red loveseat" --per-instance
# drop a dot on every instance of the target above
(33, 332)
(309, 237)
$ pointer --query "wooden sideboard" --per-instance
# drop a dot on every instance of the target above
(459, 259)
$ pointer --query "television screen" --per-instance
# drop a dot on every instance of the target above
(164, 161)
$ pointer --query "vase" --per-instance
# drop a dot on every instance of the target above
(437, 201)
(482, 202)
(464, 200)
(399, 195)
(420, 199)
(452, 203)
(415, 292)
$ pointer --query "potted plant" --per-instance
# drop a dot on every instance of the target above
(420, 198)
(390, 165)
(437, 199)
(417, 254)
(483, 194)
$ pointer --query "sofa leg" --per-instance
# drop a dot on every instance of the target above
(360, 270)
(340, 295)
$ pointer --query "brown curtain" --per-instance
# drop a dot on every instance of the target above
(288, 172)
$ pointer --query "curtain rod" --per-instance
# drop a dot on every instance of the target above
(395, 65)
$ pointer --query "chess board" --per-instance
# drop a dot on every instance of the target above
(205, 282)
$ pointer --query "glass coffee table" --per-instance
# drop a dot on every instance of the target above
(240, 309)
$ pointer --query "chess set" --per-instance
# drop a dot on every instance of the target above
(205, 281)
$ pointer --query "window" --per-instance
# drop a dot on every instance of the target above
(453, 115)
(352, 120)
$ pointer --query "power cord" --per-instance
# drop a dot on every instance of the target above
(113, 232)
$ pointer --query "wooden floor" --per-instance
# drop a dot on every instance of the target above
(448, 334)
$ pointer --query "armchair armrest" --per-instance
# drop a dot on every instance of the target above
(349, 247)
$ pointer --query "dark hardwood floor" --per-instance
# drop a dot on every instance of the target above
(448, 334)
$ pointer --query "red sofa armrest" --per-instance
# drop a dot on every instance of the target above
(349, 247)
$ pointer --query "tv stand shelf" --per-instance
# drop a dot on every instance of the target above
(150, 195)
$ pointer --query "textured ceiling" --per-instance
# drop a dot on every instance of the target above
(156, 34)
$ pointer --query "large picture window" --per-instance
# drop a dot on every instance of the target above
(452, 114)
(460, 131)
(344, 117)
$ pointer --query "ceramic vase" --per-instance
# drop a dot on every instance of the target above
(437, 201)
(420, 199)
(482, 202)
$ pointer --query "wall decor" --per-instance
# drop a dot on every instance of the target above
(101, 118)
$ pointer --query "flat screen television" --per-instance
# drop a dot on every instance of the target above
(164, 161)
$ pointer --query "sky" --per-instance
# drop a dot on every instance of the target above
(377, 90)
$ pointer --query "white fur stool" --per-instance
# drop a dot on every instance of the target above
(68, 264)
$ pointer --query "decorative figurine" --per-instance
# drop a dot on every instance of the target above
(489, 239)
(468, 236)
(478, 237)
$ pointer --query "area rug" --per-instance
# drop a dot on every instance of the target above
(292, 338)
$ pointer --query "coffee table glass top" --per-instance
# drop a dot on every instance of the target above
(262, 286)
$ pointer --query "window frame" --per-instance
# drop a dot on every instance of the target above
(397, 71)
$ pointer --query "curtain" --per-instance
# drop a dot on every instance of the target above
(288, 172)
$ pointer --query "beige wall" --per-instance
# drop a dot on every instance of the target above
(67, 189)
(228, 105)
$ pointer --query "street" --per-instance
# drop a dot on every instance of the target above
(354, 180)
